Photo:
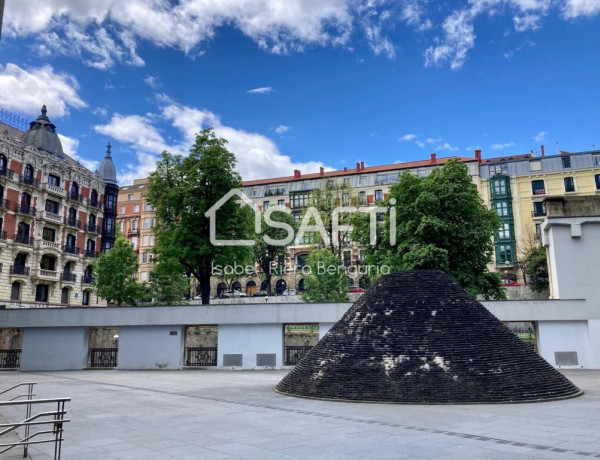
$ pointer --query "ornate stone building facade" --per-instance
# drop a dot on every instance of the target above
(55, 219)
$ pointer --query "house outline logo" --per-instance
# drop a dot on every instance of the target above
(211, 214)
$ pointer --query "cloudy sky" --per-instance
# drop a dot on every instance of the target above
(306, 83)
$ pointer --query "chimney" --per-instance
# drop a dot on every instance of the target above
(433, 158)
(357, 166)
(345, 168)
(322, 171)
(362, 165)
(296, 174)
(543, 151)
(478, 155)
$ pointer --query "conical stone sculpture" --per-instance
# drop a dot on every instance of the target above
(416, 337)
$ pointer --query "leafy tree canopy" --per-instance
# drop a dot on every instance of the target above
(441, 223)
(535, 266)
(168, 281)
(114, 274)
(326, 281)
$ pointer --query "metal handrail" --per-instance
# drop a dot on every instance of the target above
(30, 394)
(57, 425)
(17, 386)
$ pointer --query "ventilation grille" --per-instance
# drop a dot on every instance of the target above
(265, 359)
(232, 360)
(566, 358)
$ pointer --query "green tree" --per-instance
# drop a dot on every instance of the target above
(114, 274)
(168, 281)
(326, 280)
(183, 189)
(535, 267)
(441, 223)
(271, 257)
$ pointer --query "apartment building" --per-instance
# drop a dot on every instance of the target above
(55, 218)
(136, 219)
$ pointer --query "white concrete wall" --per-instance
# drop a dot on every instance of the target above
(54, 349)
(150, 347)
(249, 340)
(324, 329)
(565, 336)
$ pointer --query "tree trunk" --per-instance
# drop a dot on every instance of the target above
(204, 281)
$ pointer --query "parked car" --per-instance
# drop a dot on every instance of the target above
(354, 290)
(260, 294)
(233, 294)
(199, 297)
(289, 292)
(510, 283)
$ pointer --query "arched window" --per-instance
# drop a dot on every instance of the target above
(236, 286)
(15, 291)
(280, 287)
(74, 191)
(301, 285)
(90, 247)
(28, 173)
(94, 198)
(25, 201)
(250, 288)
(70, 241)
(88, 275)
(23, 230)
(221, 288)
(3, 164)
(92, 222)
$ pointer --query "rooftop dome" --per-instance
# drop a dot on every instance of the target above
(107, 169)
(42, 135)
(416, 337)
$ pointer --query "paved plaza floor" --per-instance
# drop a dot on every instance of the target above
(224, 414)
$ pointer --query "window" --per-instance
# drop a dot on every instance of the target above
(378, 195)
(265, 205)
(362, 198)
(136, 208)
(74, 190)
(497, 169)
(535, 165)
(94, 198)
(345, 199)
(121, 226)
(122, 210)
(569, 184)
(505, 253)
(146, 223)
(499, 187)
(41, 293)
(48, 234)
(300, 200)
(134, 225)
(364, 180)
(3, 162)
(346, 181)
(110, 203)
(538, 187)
(539, 209)
(15, 291)
(504, 232)
(502, 208)
(297, 215)
(90, 246)
(143, 276)
(148, 207)
(48, 263)
(52, 206)
(92, 221)
(347, 257)
(597, 177)
(85, 298)
(70, 241)
(144, 257)
(538, 230)
(275, 191)
(134, 242)
(130, 197)
(54, 180)
(28, 172)
(383, 179)
(566, 162)
(281, 203)
(330, 183)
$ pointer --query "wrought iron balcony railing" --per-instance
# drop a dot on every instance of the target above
(4, 204)
(87, 279)
(29, 180)
(6, 173)
(26, 209)
(91, 253)
(72, 223)
(71, 249)
(19, 270)
(24, 239)
(92, 228)
(68, 277)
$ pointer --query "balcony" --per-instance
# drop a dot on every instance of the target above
(55, 190)
(2, 235)
(20, 270)
(76, 197)
(68, 277)
(72, 223)
(91, 253)
(26, 209)
(97, 204)
(24, 239)
(5, 204)
(92, 228)
(134, 231)
(48, 215)
(49, 244)
(538, 212)
(6, 173)
(47, 274)
(87, 279)
(71, 249)
(29, 180)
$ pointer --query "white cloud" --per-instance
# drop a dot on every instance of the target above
(257, 155)
(527, 22)
(25, 90)
(413, 12)
(541, 136)
(70, 146)
(261, 90)
(459, 38)
(282, 129)
(576, 8)
(502, 146)
(100, 111)
(446, 146)
(408, 137)
(152, 82)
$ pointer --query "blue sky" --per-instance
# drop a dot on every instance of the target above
(335, 81)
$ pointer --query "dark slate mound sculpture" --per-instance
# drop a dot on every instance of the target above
(416, 337)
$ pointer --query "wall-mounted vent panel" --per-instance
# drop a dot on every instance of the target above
(566, 358)
(232, 360)
(266, 359)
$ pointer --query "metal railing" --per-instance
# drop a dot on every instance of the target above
(71, 249)
(27, 209)
(30, 394)
(69, 277)
(7, 173)
(55, 418)
(29, 180)
(103, 357)
(70, 222)
(19, 270)
(24, 239)
(293, 354)
(5, 204)
(201, 356)
(10, 359)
